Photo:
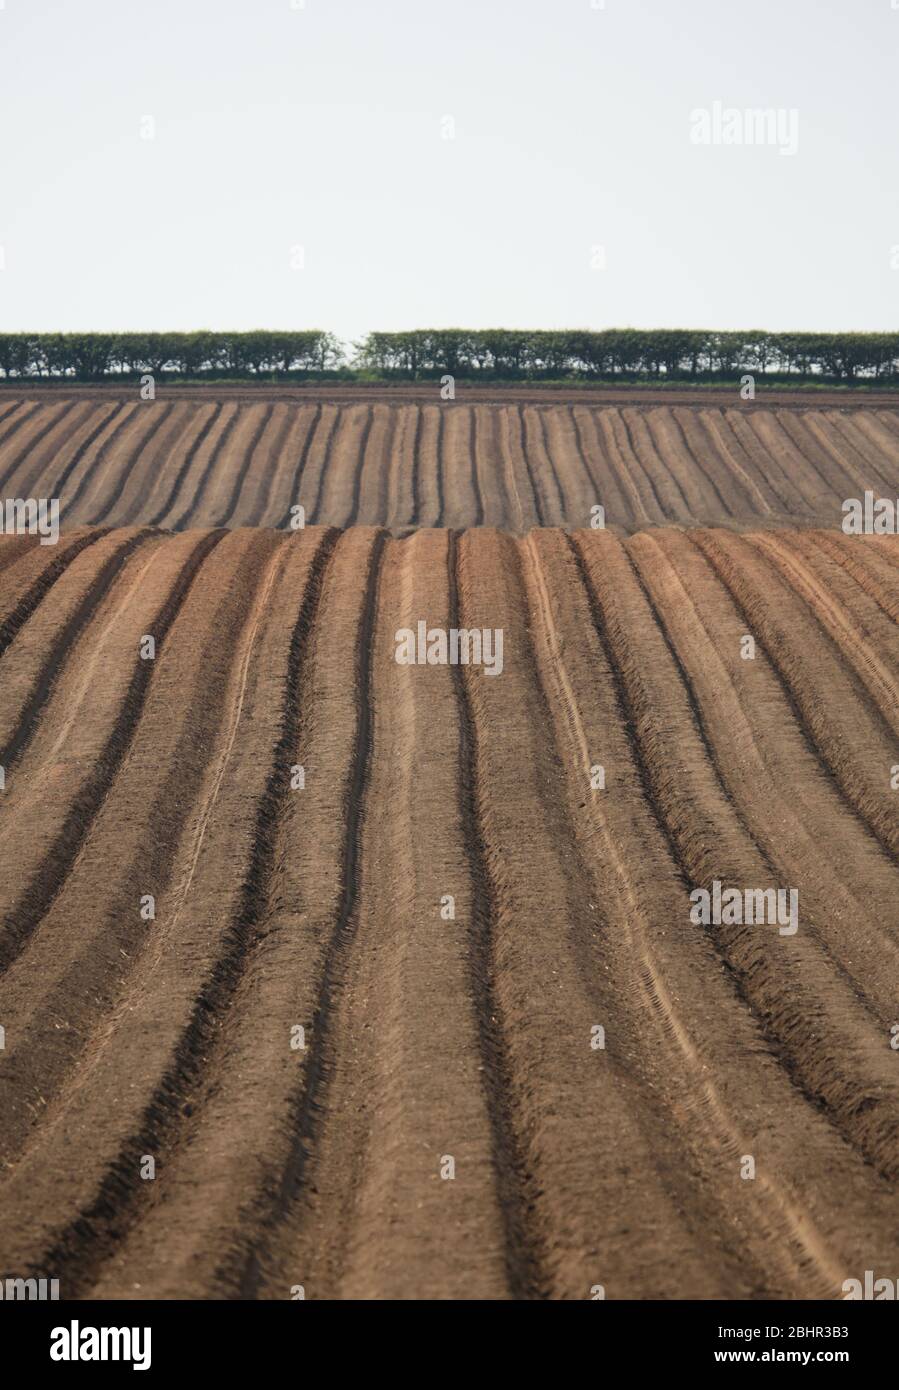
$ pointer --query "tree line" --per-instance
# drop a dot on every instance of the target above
(488, 354)
(681, 354)
(95, 356)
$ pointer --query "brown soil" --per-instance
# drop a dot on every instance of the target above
(428, 1038)
(437, 1039)
(402, 459)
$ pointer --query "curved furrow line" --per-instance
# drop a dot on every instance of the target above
(664, 484)
(870, 451)
(353, 517)
(172, 997)
(268, 467)
(809, 439)
(30, 588)
(734, 478)
(591, 489)
(865, 586)
(426, 469)
(568, 1121)
(666, 480)
(90, 439)
(110, 1204)
(523, 447)
(226, 511)
(402, 1234)
(168, 501)
(869, 569)
(562, 510)
(581, 1119)
(834, 432)
(191, 512)
(127, 414)
(395, 480)
(638, 1101)
(341, 1238)
(129, 1040)
(326, 465)
(33, 416)
(46, 426)
(27, 693)
(773, 789)
(516, 1188)
(262, 476)
(335, 1235)
(839, 728)
(440, 469)
(415, 518)
(868, 426)
(501, 503)
(856, 643)
(535, 469)
(312, 1105)
(126, 468)
(376, 466)
(633, 510)
(713, 424)
(570, 481)
(846, 1070)
(29, 479)
(889, 419)
(871, 427)
(456, 448)
(389, 466)
(8, 409)
(804, 469)
(837, 442)
(680, 493)
(43, 885)
(473, 456)
(300, 471)
(628, 465)
(810, 444)
(144, 835)
(13, 423)
(149, 464)
(488, 489)
(766, 460)
(223, 476)
(508, 469)
(379, 474)
(778, 1229)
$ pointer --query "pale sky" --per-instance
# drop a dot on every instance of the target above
(322, 127)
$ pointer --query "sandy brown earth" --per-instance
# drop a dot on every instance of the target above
(403, 459)
(557, 1081)
(428, 1038)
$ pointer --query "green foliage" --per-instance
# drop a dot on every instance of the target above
(624, 354)
(629, 353)
(99, 356)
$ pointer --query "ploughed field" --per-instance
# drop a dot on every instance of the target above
(319, 905)
(382, 978)
(207, 458)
